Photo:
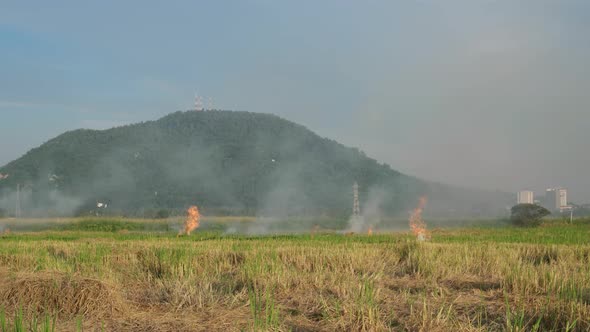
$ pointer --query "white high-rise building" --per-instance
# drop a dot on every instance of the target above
(556, 199)
(562, 198)
(525, 197)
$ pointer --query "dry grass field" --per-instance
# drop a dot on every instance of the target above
(471, 279)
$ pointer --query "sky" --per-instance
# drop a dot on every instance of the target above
(491, 94)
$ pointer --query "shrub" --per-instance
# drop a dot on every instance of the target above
(528, 215)
(162, 214)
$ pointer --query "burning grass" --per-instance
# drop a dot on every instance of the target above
(417, 224)
(464, 280)
(192, 221)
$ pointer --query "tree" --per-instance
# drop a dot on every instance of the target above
(528, 215)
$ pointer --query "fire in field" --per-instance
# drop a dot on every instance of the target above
(192, 220)
(417, 224)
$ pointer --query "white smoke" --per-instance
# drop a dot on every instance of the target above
(371, 212)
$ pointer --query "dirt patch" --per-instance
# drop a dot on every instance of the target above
(472, 283)
(407, 284)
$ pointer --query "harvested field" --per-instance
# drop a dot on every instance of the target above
(503, 279)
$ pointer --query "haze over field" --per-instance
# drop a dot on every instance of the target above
(236, 163)
(484, 94)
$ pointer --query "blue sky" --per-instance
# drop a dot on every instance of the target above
(482, 93)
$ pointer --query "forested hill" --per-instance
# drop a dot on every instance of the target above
(226, 162)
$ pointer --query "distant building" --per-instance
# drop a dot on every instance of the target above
(562, 198)
(556, 199)
(525, 197)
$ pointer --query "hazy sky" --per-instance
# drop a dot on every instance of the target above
(488, 94)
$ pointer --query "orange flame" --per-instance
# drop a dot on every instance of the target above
(192, 220)
(418, 225)
(370, 231)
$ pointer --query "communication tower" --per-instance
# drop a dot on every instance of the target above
(210, 104)
(198, 103)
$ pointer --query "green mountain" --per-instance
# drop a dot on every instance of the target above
(225, 162)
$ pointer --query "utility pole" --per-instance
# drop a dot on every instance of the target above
(17, 211)
(356, 209)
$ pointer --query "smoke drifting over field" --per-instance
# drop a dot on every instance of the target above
(227, 163)
(51, 204)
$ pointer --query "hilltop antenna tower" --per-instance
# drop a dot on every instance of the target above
(198, 103)
(210, 104)
(356, 209)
